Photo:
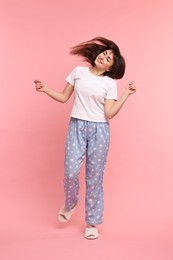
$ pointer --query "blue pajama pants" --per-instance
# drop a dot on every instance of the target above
(90, 139)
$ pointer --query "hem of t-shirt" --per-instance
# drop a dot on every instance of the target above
(68, 81)
(89, 119)
(112, 98)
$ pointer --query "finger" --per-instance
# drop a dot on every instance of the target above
(132, 88)
(37, 81)
(39, 84)
(38, 87)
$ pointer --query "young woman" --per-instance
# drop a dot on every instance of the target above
(95, 103)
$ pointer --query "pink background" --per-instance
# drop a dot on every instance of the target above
(35, 40)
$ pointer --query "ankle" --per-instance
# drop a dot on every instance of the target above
(90, 226)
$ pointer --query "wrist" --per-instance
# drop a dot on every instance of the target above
(126, 94)
(46, 90)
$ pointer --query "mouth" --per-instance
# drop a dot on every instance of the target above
(99, 60)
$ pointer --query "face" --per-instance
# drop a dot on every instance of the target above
(105, 60)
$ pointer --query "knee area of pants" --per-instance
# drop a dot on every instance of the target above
(70, 176)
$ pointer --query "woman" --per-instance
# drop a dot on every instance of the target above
(95, 103)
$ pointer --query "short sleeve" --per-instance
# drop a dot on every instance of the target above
(112, 91)
(72, 76)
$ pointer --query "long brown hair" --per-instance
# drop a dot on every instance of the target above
(89, 50)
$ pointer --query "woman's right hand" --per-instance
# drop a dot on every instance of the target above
(40, 86)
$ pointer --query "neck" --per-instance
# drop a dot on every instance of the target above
(97, 72)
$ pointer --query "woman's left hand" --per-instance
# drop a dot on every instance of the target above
(131, 87)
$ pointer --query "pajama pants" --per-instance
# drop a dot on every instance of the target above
(90, 139)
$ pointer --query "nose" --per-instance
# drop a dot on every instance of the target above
(101, 57)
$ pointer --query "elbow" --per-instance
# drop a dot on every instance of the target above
(63, 100)
(108, 116)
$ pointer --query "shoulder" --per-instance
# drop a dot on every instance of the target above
(80, 68)
(110, 81)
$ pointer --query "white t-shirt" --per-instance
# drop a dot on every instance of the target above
(90, 92)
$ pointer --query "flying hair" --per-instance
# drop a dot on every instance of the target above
(89, 50)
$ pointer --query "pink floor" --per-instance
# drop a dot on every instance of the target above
(37, 235)
(29, 229)
(68, 243)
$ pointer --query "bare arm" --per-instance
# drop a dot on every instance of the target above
(112, 107)
(61, 97)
